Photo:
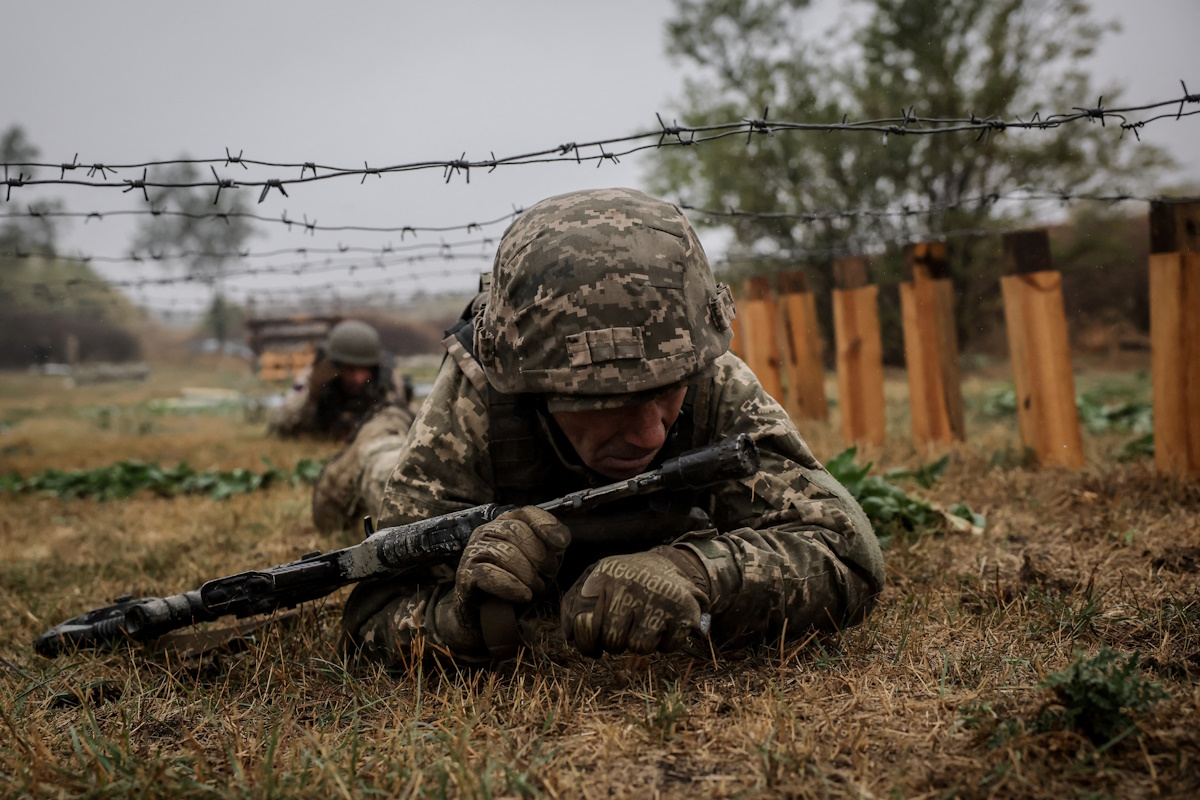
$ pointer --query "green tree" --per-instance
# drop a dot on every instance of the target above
(208, 229)
(935, 58)
(45, 300)
(32, 278)
(34, 235)
(224, 319)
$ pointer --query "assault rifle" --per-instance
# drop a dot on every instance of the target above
(388, 552)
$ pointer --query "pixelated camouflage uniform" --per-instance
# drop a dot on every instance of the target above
(351, 484)
(328, 410)
(785, 550)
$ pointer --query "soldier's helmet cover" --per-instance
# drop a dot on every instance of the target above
(599, 294)
(353, 342)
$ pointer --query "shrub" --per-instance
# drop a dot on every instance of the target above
(1096, 695)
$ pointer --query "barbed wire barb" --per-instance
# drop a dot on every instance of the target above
(1188, 97)
(232, 159)
(758, 125)
(459, 165)
(368, 171)
(274, 183)
(1095, 113)
(222, 184)
(11, 182)
(672, 130)
(604, 155)
(64, 167)
(138, 184)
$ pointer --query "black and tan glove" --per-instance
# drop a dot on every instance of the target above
(641, 602)
(506, 563)
(512, 558)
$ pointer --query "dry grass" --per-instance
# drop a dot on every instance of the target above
(936, 695)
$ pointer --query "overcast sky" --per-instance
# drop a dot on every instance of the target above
(395, 82)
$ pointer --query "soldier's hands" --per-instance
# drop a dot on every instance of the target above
(640, 602)
(512, 558)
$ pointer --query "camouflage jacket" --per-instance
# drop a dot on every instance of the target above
(785, 549)
(325, 409)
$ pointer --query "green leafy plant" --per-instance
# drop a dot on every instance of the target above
(963, 511)
(1101, 410)
(1097, 695)
(1001, 402)
(1100, 413)
(1104, 409)
(1141, 447)
(891, 510)
(123, 478)
(926, 475)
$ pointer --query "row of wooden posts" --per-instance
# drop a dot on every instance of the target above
(1037, 336)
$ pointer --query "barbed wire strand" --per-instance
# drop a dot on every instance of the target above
(811, 257)
(979, 201)
(185, 255)
(606, 149)
(33, 211)
(297, 270)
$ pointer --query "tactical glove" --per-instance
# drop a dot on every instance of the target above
(639, 602)
(512, 558)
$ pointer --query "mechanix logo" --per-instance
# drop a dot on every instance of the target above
(624, 603)
(654, 583)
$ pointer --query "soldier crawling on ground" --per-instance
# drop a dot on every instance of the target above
(599, 351)
(350, 378)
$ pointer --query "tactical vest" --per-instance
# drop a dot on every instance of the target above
(528, 468)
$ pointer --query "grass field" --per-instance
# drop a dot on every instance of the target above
(946, 691)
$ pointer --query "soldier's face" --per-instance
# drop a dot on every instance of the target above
(619, 443)
(354, 379)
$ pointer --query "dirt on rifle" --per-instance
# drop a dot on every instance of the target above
(937, 694)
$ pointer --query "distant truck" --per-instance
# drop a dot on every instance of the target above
(283, 346)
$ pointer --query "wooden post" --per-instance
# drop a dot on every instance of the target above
(931, 346)
(1040, 351)
(804, 365)
(859, 352)
(1175, 335)
(760, 339)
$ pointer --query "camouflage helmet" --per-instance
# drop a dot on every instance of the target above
(353, 342)
(599, 294)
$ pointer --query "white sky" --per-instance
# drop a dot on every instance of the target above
(395, 82)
